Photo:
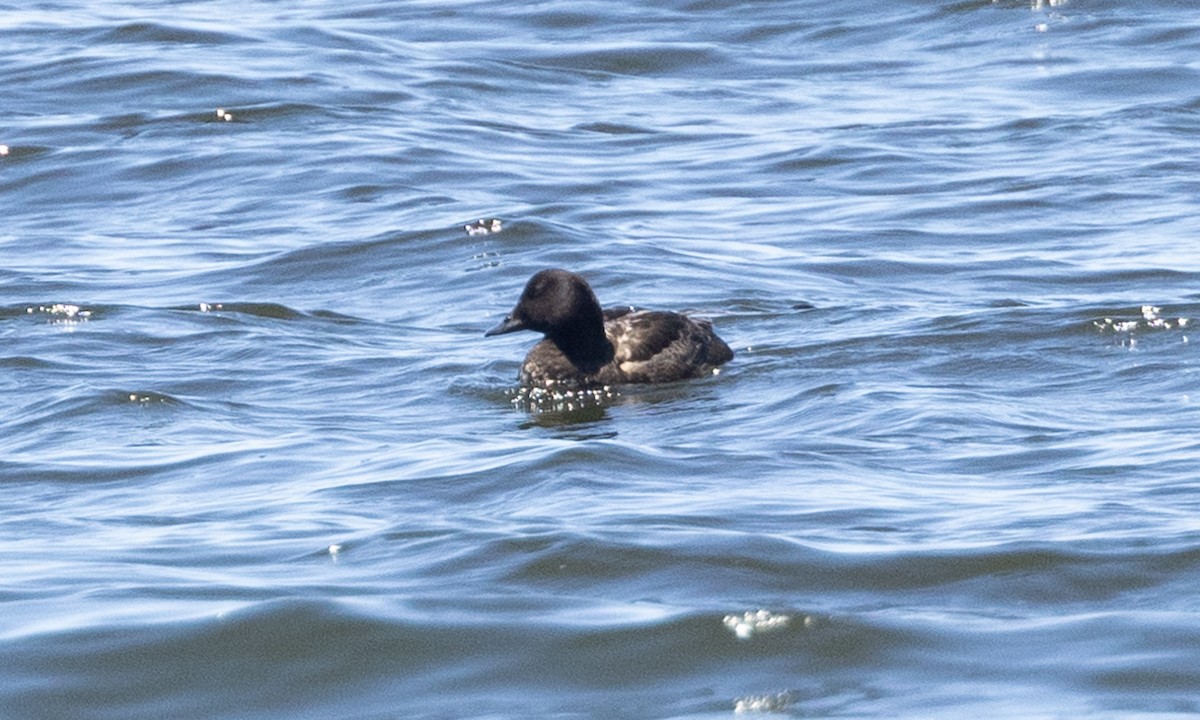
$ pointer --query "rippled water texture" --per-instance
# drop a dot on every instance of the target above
(257, 460)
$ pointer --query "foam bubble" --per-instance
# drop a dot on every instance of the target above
(748, 624)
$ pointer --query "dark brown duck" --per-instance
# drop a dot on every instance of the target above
(586, 346)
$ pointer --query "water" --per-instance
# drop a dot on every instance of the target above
(257, 461)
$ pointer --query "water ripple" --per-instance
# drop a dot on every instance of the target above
(258, 460)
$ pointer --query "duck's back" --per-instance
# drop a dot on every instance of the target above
(656, 346)
(649, 346)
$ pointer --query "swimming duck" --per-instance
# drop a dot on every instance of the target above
(586, 346)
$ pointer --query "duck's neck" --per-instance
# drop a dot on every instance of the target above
(585, 344)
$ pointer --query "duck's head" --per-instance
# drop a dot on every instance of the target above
(553, 302)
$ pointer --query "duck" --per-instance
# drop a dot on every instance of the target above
(586, 346)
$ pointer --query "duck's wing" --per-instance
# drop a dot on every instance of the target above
(658, 346)
(615, 312)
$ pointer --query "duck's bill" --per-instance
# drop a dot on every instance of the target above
(507, 325)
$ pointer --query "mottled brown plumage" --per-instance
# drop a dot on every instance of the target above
(586, 346)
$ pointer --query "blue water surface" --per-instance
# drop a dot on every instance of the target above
(257, 460)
